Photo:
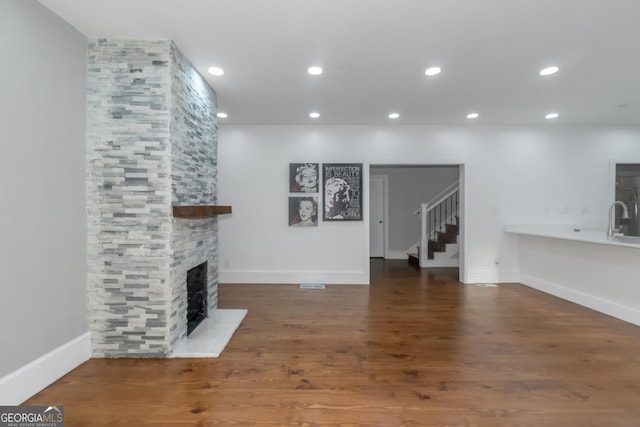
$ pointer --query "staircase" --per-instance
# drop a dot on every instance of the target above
(443, 238)
(440, 228)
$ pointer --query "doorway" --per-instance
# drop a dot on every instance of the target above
(396, 192)
(627, 190)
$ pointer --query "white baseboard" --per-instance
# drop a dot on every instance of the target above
(28, 380)
(619, 311)
(296, 277)
(508, 276)
(480, 275)
(397, 255)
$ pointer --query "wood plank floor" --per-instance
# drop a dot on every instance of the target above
(412, 349)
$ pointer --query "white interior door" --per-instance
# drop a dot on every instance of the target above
(376, 216)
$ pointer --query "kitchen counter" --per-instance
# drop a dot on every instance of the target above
(568, 232)
(584, 267)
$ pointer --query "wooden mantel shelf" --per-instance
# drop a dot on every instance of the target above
(194, 212)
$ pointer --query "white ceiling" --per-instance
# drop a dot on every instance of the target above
(374, 53)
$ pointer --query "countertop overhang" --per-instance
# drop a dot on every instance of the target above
(566, 232)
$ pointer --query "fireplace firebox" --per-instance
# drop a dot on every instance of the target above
(196, 296)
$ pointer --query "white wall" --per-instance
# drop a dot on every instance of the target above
(544, 174)
(409, 186)
(42, 183)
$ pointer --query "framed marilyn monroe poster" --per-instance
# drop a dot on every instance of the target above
(342, 192)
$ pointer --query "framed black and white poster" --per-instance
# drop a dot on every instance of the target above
(303, 211)
(304, 177)
(342, 192)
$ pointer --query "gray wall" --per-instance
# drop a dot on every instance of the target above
(409, 186)
(42, 176)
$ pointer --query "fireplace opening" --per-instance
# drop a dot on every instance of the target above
(196, 296)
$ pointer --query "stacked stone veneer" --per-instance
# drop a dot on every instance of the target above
(152, 144)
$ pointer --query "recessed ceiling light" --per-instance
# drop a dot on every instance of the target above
(473, 115)
(549, 70)
(216, 71)
(552, 116)
(314, 115)
(314, 71)
(432, 71)
(222, 115)
(394, 115)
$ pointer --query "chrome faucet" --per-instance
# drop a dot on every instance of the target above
(611, 230)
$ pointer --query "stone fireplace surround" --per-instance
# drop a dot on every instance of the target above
(151, 145)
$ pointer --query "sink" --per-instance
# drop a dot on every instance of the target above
(627, 239)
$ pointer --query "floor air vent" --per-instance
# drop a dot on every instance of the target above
(311, 286)
(486, 285)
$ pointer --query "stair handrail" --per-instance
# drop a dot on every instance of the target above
(439, 198)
